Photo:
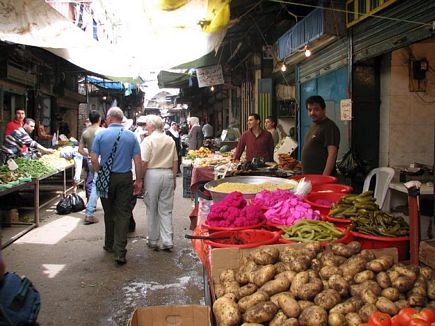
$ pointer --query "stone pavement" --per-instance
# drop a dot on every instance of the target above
(80, 283)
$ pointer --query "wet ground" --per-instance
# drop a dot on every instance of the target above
(80, 283)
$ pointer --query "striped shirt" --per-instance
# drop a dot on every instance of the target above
(15, 141)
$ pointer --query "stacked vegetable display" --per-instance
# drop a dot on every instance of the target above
(34, 168)
(309, 285)
(367, 218)
(234, 211)
(9, 178)
(284, 207)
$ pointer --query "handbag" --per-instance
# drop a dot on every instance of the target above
(103, 176)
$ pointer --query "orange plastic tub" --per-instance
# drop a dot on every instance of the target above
(323, 201)
(316, 179)
(332, 187)
(346, 238)
(243, 238)
(375, 242)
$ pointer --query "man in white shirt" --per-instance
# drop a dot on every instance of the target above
(207, 130)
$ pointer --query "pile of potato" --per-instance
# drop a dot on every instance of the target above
(338, 285)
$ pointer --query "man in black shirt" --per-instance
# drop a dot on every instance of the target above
(321, 141)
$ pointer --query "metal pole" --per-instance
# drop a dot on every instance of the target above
(414, 223)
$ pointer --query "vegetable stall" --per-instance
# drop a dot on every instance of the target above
(326, 260)
(31, 185)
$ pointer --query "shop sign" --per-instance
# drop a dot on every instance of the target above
(209, 76)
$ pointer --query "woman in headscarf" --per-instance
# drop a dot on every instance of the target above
(196, 136)
(174, 134)
(159, 167)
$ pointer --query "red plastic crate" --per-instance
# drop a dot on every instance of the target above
(374, 242)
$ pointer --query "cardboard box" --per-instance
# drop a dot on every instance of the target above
(174, 315)
(427, 253)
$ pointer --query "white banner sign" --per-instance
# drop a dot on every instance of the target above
(346, 109)
(209, 76)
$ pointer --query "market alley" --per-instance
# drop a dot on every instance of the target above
(80, 283)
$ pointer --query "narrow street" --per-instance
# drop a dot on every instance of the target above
(80, 283)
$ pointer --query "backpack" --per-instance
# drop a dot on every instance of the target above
(19, 301)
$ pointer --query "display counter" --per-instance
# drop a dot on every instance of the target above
(36, 194)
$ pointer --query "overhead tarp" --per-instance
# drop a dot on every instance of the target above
(104, 83)
(149, 38)
(171, 79)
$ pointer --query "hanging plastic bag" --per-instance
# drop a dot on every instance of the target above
(351, 164)
(304, 187)
(64, 206)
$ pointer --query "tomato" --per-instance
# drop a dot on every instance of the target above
(404, 316)
(395, 321)
(380, 319)
(426, 314)
(418, 322)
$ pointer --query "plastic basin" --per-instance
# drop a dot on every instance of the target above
(346, 238)
(323, 201)
(339, 222)
(332, 187)
(249, 238)
(239, 228)
(376, 242)
(316, 179)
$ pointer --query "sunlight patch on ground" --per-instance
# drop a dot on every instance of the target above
(51, 270)
(51, 233)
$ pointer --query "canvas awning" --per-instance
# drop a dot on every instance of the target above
(146, 41)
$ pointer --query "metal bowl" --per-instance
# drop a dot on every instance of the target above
(219, 196)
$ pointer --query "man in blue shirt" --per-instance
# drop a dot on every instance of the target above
(116, 205)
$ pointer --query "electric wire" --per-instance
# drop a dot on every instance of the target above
(352, 12)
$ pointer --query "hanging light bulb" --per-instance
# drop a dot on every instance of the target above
(307, 51)
(212, 88)
(283, 67)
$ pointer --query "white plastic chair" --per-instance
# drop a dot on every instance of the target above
(384, 175)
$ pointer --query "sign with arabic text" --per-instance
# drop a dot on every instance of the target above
(209, 76)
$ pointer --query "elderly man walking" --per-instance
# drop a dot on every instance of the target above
(116, 148)
(159, 167)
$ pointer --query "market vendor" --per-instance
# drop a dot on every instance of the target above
(17, 142)
(18, 122)
(258, 142)
(321, 141)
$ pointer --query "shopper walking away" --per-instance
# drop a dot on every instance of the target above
(322, 140)
(116, 147)
(85, 147)
(175, 135)
(159, 165)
